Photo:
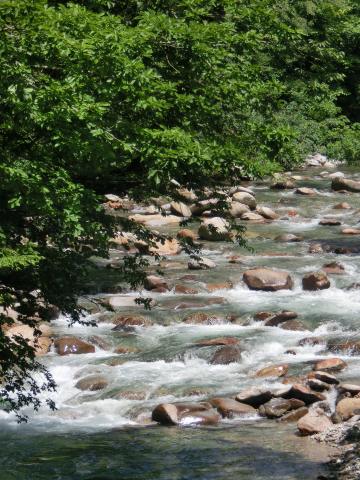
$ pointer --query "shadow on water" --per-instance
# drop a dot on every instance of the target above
(231, 452)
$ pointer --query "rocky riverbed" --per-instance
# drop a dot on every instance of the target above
(263, 343)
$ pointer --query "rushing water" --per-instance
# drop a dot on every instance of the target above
(103, 434)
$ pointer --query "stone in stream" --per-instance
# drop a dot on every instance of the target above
(245, 198)
(201, 264)
(330, 222)
(72, 345)
(237, 209)
(348, 407)
(288, 237)
(254, 396)
(214, 229)
(334, 268)
(252, 216)
(342, 206)
(311, 341)
(185, 414)
(350, 231)
(267, 279)
(314, 422)
(227, 407)
(305, 191)
(349, 347)
(276, 407)
(187, 195)
(294, 415)
(349, 388)
(315, 281)
(283, 184)
(128, 322)
(123, 349)
(280, 317)
(330, 365)
(201, 318)
(187, 234)
(273, 371)
(100, 342)
(293, 325)
(317, 385)
(155, 220)
(153, 282)
(200, 207)
(219, 341)
(92, 383)
(323, 377)
(179, 208)
(239, 188)
(261, 316)
(301, 392)
(340, 183)
(316, 248)
(267, 213)
(184, 290)
(226, 354)
(212, 287)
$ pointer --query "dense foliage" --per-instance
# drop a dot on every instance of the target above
(98, 94)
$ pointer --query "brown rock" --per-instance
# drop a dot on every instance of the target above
(267, 213)
(237, 259)
(225, 355)
(124, 349)
(261, 316)
(186, 234)
(305, 191)
(350, 231)
(315, 281)
(72, 345)
(184, 290)
(348, 407)
(283, 184)
(212, 287)
(340, 183)
(237, 209)
(330, 365)
(245, 198)
(99, 342)
(335, 268)
(207, 417)
(281, 317)
(254, 396)
(267, 279)
(227, 407)
(252, 216)
(201, 318)
(294, 325)
(289, 237)
(316, 248)
(323, 377)
(311, 341)
(275, 408)
(209, 342)
(349, 388)
(128, 322)
(273, 371)
(314, 422)
(342, 206)
(92, 383)
(179, 208)
(166, 414)
(152, 282)
(349, 347)
(187, 195)
(318, 385)
(304, 393)
(214, 229)
(294, 415)
(201, 264)
(330, 222)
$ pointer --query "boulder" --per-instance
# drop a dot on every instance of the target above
(227, 354)
(185, 414)
(315, 281)
(208, 417)
(294, 415)
(179, 208)
(237, 209)
(184, 290)
(342, 206)
(330, 222)
(153, 282)
(155, 220)
(261, 316)
(267, 279)
(128, 322)
(204, 205)
(305, 191)
(245, 198)
(92, 383)
(41, 343)
(275, 408)
(304, 393)
(283, 184)
(340, 183)
(350, 231)
(267, 213)
(333, 268)
(288, 237)
(349, 347)
(252, 216)
(317, 385)
(330, 365)
(187, 195)
(314, 422)
(227, 407)
(186, 234)
(348, 407)
(254, 396)
(323, 377)
(311, 341)
(218, 341)
(349, 388)
(273, 371)
(280, 317)
(72, 345)
(200, 318)
(214, 229)
(241, 189)
(165, 414)
(212, 287)
(201, 264)
(294, 325)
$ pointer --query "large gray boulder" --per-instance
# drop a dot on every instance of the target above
(214, 229)
(266, 279)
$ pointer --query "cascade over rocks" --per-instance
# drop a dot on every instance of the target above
(267, 279)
